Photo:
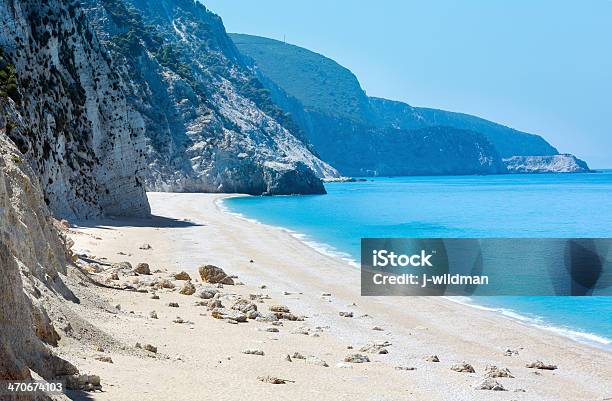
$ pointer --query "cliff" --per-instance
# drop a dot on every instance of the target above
(65, 109)
(326, 100)
(32, 260)
(507, 141)
(210, 125)
(563, 163)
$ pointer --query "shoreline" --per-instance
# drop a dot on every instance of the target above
(189, 230)
(580, 336)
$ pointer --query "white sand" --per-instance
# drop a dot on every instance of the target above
(203, 361)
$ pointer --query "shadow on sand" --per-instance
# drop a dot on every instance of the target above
(79, 395)
(151, 221)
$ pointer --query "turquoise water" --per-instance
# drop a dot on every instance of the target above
(551, 205)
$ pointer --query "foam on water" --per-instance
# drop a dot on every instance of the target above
(537, 321)
(320, 247)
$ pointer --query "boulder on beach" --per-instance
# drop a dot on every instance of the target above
(356, 358)
(121, 266)
(82, 382)
(182, 276)
(376, 347)
(266, 317)
(244, 306)
(225, 314)
(142, 268)
(214, 275)
(432, 358)
(541, 365)
(489, 384)
(313, 360)
(463, 368)
(164, 283)
(188, 289)
(207, 293)
(494, 372)
(279, 309)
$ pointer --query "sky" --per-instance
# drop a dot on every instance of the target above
(540, 66)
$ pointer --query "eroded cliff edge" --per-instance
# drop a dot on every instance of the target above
(210, 124)
(33, 258)
(68, 115)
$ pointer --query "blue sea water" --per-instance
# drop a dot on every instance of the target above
(548, 205)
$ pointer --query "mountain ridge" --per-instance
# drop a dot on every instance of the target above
(307, 91)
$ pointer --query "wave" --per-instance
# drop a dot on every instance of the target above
(320, 247)
(535, 321)
(539, 322)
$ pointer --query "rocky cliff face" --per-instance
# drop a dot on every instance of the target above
(326, 100)
(563, 163)
(361, 150)
(507, 141)
(210, 125)
(32, 259)
(68, 114)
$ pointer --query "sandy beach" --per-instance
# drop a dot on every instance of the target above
(200, 357)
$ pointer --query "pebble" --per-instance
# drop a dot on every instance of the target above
(494, 371)
(272, 380)
(150, 348)
(463, 368)
(489, 384)
(541, 365)
(253, 352)
(356, 358)
(183, 276)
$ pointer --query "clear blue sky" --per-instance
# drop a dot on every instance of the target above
(540, 66)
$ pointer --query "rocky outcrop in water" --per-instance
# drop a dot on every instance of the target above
(563, 163)
(67, 113)
(210, 124)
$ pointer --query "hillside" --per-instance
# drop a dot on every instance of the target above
(318, 82)
(209, 124)
(325, 98)
(507, 141)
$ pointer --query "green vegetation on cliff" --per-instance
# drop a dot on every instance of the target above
(8, 79)
(319, 83)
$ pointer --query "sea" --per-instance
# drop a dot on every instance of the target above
(496, 206)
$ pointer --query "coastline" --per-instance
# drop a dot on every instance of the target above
(580, 336)
(191, 229)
